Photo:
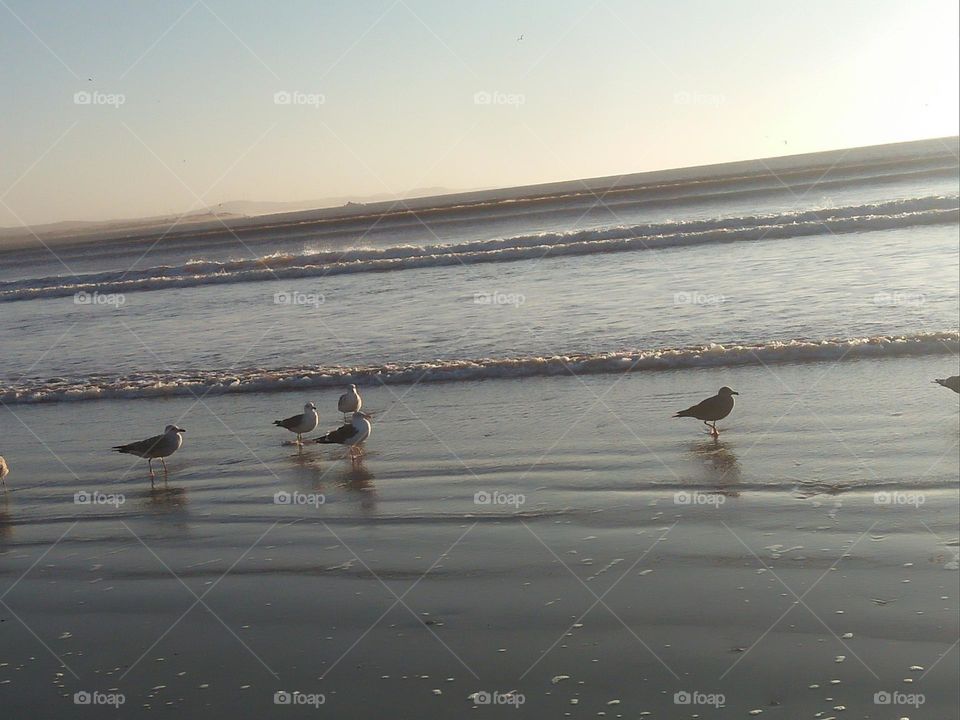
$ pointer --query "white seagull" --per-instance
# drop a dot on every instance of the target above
(305, 422)
(712, 409)
(4, 471)
(351, 435)
(158, 446)
(350, 402)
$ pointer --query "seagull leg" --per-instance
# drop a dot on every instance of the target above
(164, 466)
(715, 433)
(150, 467)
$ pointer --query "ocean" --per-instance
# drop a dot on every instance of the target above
(528, 519)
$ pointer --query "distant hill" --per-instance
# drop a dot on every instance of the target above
(228, 210)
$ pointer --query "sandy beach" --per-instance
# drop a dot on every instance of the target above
(604, 565)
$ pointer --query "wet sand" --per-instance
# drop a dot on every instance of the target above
(798, 566)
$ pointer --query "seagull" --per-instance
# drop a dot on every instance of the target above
(4, 471)
(951, 382)
(712, 409)
(158, 446)
(352, 435)
(350, 402)
(300, 424)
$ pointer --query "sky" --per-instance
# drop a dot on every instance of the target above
(116, 109)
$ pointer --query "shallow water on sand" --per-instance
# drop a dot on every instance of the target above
(624, 549)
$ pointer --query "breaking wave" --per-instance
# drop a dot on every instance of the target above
(855, 218)
(204, 382)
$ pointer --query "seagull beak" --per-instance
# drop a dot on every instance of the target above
(734, 393)
(180, 429)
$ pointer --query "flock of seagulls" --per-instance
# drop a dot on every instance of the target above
(356, 427)
(352, 434)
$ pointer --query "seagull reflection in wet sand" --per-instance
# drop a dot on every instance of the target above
(355, 478)
(723, 467)
(164, 497)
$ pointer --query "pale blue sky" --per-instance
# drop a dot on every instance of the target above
(608, 87)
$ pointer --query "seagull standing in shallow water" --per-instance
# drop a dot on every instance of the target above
(350, 402)
(712, 409)
(952, 383)
(305, 422)
(351, 435)
(4, 471)
(156, 447)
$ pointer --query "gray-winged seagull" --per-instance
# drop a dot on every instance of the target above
(351, 435)
(303, 423)
(712, 409)
(156, 447)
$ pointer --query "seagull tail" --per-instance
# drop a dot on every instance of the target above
(683, 413)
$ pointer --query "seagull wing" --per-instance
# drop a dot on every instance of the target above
(695, 411)
(290, 423)
(140, 447)
(340, 435)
